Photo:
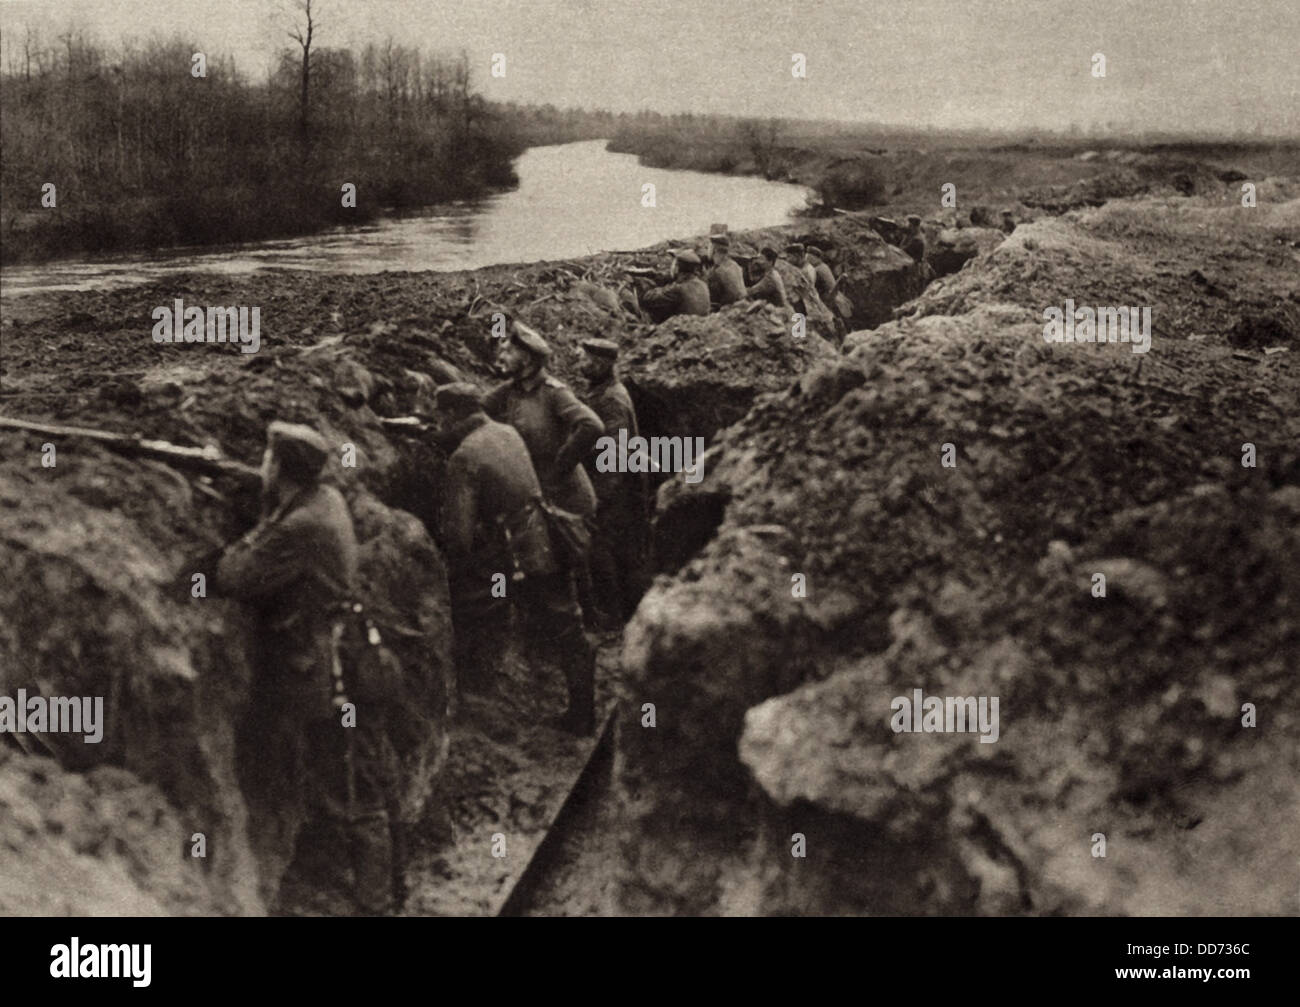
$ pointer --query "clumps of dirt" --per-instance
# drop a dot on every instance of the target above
(1146, 733)
(952, 248)
(99, 843)
(851, 565)
(875, 277)
(1260, 329)
(1118, 255)
(693, 375)
(1110, 184)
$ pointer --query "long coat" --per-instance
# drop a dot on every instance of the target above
(294, 567)
(727, 282)
(687, 295)
(559, 432)
(490, 482)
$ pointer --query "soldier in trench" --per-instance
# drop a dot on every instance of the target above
(618, 547)
(500, 553)
(685, 293)
(297, 569)
(726, 280)
(767, 283)
(558, 429)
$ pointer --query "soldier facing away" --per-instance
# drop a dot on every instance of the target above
(500, 553)
(619, 544)
(686, 294)
(726, 279)
(825, 279)
(297, 567)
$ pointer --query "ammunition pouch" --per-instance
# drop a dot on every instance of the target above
(528, 542)
(570, 535)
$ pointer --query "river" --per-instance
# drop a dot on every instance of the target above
(573, 199)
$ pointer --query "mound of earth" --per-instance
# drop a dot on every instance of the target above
(952, 248)
(850, 566)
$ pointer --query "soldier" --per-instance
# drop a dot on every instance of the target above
(768, 285)
(558, 429)
(914, 241)
(618, 546)
(726, 280)
(825, 282)
(297, 567)
(687, 294)
(798, 256)
(500, 552)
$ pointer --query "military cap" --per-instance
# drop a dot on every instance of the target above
(769, 253)
(530, 339)
(300, 449)
(601, 348)
(794, 248)
(459, 396)
(687, 256)
(720, 239)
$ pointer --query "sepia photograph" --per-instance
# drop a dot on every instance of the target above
(691, 458)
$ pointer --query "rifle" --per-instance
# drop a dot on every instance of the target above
(207, 461)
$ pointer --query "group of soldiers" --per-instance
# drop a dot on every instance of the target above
(696, 289)
(527, 524)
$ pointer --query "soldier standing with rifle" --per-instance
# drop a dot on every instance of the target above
(298, 569)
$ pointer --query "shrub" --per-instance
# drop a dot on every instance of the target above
(851, 184)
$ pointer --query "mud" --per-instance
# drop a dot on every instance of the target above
(1120, 714)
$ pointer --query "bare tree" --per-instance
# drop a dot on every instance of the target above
(303, 31)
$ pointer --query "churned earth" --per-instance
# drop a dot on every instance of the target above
(1119, 715)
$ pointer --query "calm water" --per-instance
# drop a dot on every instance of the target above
(573, 199)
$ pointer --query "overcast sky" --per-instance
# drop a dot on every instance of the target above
(1207, 65)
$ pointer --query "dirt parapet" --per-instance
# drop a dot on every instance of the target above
(954, 247)
(105, 600)
(975, 580)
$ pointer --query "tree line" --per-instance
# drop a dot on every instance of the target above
(167, 143)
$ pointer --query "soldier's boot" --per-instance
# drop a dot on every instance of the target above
(371, 850)
(580, 677)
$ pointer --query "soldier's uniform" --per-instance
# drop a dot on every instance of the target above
(797, 250)
(914, 244)
(297, 567)
(619, 544)
(558, 429)
(492, 524)
(726, 279)
(686, 295)
(825, 279)
(770, 288)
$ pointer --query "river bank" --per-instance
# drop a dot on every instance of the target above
(538, 219)
(899, 172)
(824, 463)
